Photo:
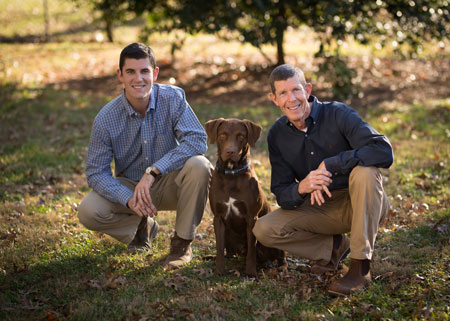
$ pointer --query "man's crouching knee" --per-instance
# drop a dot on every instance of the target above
(365, 174)
(85, 214)
(262, 230)
(198, 166)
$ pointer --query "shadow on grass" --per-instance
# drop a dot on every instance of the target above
(100, 280)
(44, 133)
(57, 286)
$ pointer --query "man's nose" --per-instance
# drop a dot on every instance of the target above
(291, 96)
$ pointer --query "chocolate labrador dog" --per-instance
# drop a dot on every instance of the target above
(235, 196)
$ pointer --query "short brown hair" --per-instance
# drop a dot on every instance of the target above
(283, 72)
(137, 51)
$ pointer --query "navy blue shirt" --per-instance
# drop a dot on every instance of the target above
(337, 135)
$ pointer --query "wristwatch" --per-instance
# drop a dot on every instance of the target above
(151, 171)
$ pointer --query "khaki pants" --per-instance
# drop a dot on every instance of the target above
(185, 191)
(307, 231)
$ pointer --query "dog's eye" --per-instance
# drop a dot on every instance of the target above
(222, 136)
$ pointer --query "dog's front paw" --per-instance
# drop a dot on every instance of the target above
(220, 270)
(220, 265)
(251, 271)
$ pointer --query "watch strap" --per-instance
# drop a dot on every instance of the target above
(153, 173)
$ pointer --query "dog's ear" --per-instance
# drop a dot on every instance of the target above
(253, 130)
(211, 129)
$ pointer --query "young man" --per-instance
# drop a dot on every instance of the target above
(157, 143)
(324, 161)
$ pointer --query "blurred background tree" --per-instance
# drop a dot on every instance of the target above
(405, 25)
(400, 23)
(116, 11)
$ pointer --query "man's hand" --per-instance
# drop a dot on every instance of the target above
(315, 183)
(141, 201)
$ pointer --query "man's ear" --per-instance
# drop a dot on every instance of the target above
(211, 127)
(119, 74)
(308, 89)
(155, 73)
(273, 98)
(253, 132)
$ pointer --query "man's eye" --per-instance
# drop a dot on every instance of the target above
(145, 71)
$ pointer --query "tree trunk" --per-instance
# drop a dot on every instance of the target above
(280, 48)
(280, 29)
(46, 22)
(109, 29)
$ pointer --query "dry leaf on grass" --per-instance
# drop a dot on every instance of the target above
(112, 282)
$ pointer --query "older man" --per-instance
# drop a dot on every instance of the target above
(325, 176)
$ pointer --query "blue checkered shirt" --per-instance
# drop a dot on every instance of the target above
(166, 137)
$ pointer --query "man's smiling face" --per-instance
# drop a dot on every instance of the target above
(137, 76)
(292, 98)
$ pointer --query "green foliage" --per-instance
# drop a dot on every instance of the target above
(265, 22)
(112, 12)
(335, 69)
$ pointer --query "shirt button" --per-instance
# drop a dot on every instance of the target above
(335, 173)
(314, 122)
(312, 153)
(146, 158)
(145, 142)
(306, 135)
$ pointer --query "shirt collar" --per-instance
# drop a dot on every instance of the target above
(315, 108)
(151, 105)
(153, 97)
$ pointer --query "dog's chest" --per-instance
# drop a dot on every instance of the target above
(231, 208)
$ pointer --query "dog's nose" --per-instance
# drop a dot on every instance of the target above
(230, 152)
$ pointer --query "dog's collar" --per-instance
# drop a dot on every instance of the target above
(232, 171)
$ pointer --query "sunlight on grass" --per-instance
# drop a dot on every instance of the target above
(25, 17)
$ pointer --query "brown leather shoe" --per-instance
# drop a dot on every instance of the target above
(341, 248)
(147, 230)
(357, 278)
(180, 253)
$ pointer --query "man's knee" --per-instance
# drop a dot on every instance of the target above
(85, 213)
(199, 167)
(262, 230)
(365, 174)
(89, 212)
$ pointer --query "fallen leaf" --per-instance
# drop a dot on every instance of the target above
(171, 284)
(236, 273)
(94, 284)
(443, 229)
(384, 275)
(205, 272)
(114, 281)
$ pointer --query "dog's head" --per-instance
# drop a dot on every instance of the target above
(234, 138)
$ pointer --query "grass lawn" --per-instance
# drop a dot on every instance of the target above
(51, 268)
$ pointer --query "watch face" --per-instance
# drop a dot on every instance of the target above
(148, 170)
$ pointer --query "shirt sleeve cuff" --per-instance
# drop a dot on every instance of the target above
(125, 196)
(332, 165)
(296, 197)
(162, 166)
